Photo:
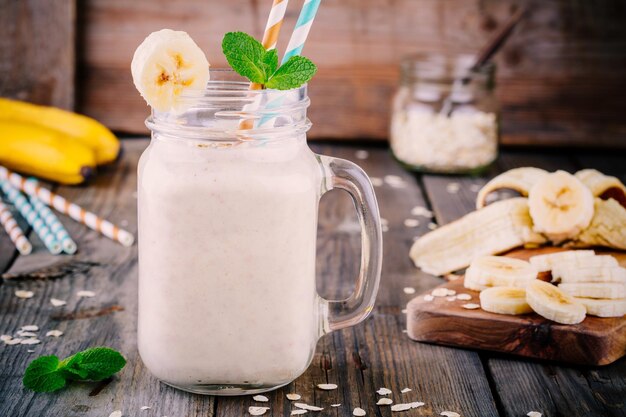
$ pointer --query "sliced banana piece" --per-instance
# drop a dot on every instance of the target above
(603, 186)
(561, 206)
(497, 228)
(517, 179)
(604, 308)
(568, 274)
(550, 302)
(498, 271)
(609, 290)
(505, 300)
(607, 226)
(166, 64)
(544, 263)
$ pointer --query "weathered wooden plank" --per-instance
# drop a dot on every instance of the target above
(37, 45)
(561, 59)
(522, 386)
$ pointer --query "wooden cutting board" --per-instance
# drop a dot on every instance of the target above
(595, 341)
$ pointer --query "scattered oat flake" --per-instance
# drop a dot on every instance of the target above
(307, 407)
(26, 334)
(359, 412)
(15, 341)
(463, 297)
(5, 337)
(57, 303)
(54, 333)
(409, 290)
(451, 292)
(24, 294)
(260, 398)
(293, 397)
(298, 412)
(406, 406)
(384, 228)
(451, 298)
(534, 414)
(421, 211)
(403, 311)
(471, 306)
(428, 297)
(335, 405)
(116, 413)
(361, 154)
(257, 411)
(453, 187)
(449, 414)
(384, 221)
(452, 277)
(405, 390)
(30, 341)
(30, 328)
(405, 331)
(376, 182)
(327, 387)
(384, 391)
(439, 292)
(31, 351)
(411, 222)
(86, 294)
(384, 401)
(432, 226)
(145, 407)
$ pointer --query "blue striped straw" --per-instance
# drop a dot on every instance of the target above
(53, 223)
(27, 211)
(296, 43)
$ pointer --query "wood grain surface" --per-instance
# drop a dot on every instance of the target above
(37, 50)
(560, 77)
(595, 341)
(359, 360)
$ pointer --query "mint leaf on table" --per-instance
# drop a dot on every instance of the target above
(292, 74)
(43, 375)
(245, 54)
(48, 373)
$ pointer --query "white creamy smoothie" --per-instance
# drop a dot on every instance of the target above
(227, 262)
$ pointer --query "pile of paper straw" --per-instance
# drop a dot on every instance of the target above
(33, 203)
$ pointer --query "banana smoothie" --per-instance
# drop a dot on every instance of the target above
(227, 262)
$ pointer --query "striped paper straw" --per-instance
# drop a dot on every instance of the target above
(295, 46)
(270, 38)
(13, 230)
(53, 223)
(76, 212)
(28, 212)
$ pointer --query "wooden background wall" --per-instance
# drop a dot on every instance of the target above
(561, 76)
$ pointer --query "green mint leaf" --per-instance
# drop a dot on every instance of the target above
(245, 55)
(43, 375)
(270, 62)
(292, 74)
(71, 367)
(101, 363)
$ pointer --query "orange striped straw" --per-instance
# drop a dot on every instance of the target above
(75, 211)
(13, 230)
(270, 38)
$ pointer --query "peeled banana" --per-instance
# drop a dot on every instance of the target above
(496, 228)
(498, 271)
(550, 302)
(607, 290)
(74, 128)
(603, 308)
(607, 226)
(518, 179)
(505, 300)
(166, 64)
(44, 153)
(603, 186)
(548, 261)
(561, 206)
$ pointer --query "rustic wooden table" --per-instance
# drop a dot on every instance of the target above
(359, 360)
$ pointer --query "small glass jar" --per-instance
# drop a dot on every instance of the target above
(227, 240)
(444, 116)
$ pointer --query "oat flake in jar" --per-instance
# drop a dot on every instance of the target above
(463, 139)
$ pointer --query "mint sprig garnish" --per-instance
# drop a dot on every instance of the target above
(248, 58)
(48, 373)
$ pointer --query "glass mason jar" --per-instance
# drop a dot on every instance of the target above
(443, 121)
(227, 241)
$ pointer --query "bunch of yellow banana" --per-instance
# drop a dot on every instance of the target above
(51, 143)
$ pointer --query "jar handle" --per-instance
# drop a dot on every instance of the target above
(345, 175)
